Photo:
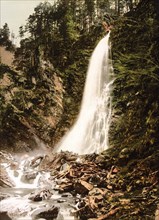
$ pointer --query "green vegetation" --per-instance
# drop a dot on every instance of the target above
(136, 66)
(41, 95)
(5, 38)
(51, 62)
(28, 108)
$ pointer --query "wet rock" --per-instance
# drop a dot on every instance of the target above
(61, 200)
(28, 177)
(14, 166)
(4, 216)
(4, 196)
(66, 187)
(61, 217)
(157, 213)
(6, 157)
(16, 173)
(66, 195)
(36, 161)
(95, 179)
(86, 212)
(40, 195)
(57, 160)
(82, 187)
(5, 180)
(48, 213)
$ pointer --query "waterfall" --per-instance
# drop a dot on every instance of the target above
(90, 132)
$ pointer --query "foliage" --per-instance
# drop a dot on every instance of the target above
(136, 66)
(5, 38)
(60, 35)
(57, 42)
(29, 107)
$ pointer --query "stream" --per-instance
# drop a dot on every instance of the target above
(34, 194)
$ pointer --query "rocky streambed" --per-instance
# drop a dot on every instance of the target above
(28, 191)
(67, 186)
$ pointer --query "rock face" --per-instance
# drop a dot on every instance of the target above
(6, 57)
(4, 216)
(31, 108)
(5, 181)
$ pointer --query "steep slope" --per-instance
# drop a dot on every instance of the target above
(30, 110)
(136, 65)
(6, 57)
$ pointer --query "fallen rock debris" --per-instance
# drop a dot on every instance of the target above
(102, 191)
(39, 195)
(102, 188)
(48, 213)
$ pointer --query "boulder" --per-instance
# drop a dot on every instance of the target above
(4, 216)
(47, 213)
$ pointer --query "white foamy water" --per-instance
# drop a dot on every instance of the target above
(17, 179)
(26, 177)
(90, 132)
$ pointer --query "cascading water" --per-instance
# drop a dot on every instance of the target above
(90, 132)
(25, 176)
(33, 192)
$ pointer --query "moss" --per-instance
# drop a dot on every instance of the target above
(28, 110)
(136, 68)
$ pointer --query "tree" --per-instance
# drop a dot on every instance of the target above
(5, 32)
(5, 38)
(137, 75)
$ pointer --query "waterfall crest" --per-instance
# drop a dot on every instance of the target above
(90, 132)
